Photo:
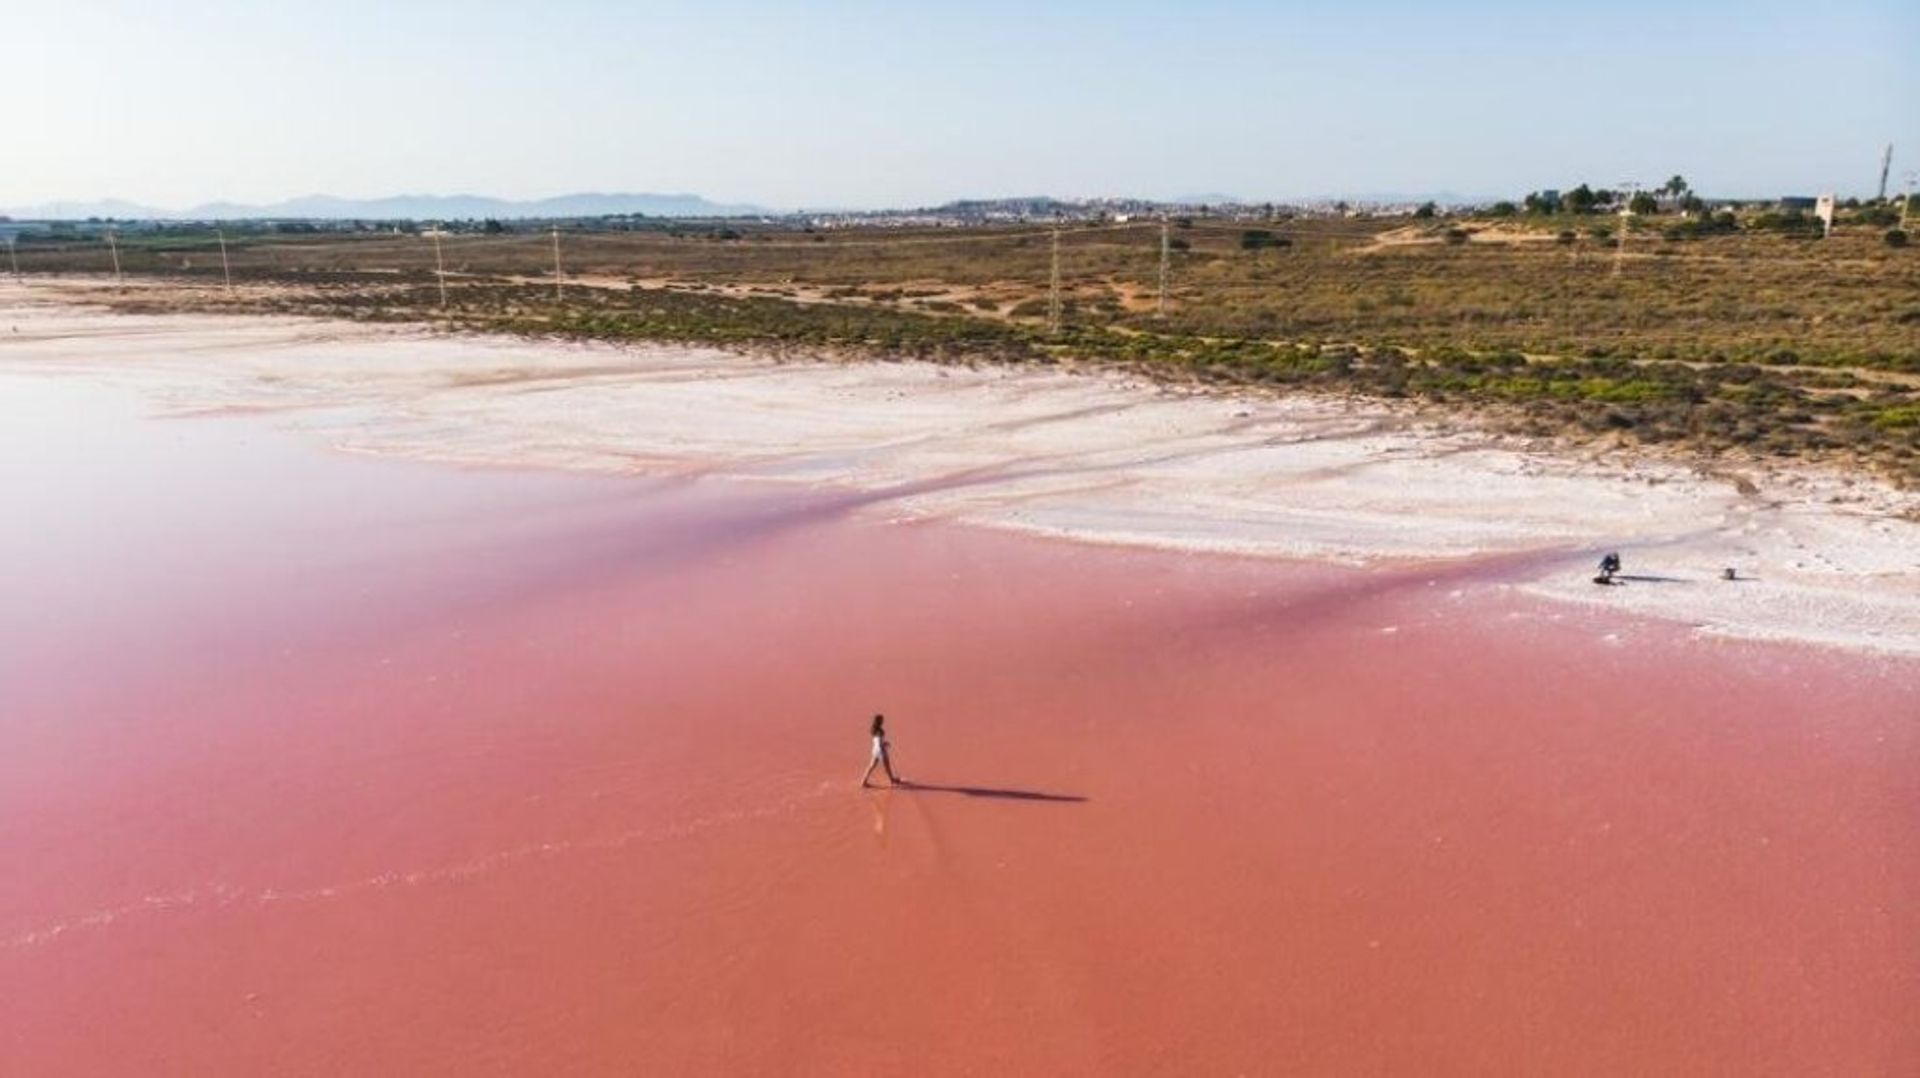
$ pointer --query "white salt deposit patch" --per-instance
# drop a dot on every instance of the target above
(1097, 458)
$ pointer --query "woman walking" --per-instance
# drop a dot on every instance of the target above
(882, 754)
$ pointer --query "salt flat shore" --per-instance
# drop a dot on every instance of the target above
(1822, 557)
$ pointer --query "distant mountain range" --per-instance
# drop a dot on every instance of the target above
(399, 207)
(480, 207)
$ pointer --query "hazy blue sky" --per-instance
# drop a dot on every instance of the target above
(861, 103)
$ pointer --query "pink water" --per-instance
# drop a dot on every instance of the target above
(320, 764)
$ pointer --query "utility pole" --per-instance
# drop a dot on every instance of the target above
(556, 264)
(1906, 204)
(440, 268)
(1886, 164)
(1053, 286)
(114, 249)
(1629, 189)
(13, 253)
(226, 268)
(1166, 255)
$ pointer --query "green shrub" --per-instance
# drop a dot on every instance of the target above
(1905, 417)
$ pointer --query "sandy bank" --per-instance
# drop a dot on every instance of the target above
(1823, 558)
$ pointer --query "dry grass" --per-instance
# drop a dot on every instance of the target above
(1749, 343)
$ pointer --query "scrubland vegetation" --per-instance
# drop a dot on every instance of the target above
(1745, 336)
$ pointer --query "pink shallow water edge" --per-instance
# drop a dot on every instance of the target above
(319, 764)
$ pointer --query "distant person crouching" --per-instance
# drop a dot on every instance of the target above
(1609, 566)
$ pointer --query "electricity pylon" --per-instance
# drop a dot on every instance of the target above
(1053, 286)
(1166, 253)
(1630, 189)
(440, 268)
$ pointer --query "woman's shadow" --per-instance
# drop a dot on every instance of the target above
(910, 786)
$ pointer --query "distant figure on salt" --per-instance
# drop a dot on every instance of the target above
(882, 753)
(1609, 565)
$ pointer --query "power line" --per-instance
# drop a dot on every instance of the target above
(982, 235)
(655, 241)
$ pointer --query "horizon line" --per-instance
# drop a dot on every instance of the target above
(54, 209)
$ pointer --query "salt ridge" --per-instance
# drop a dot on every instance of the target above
(1823, 558)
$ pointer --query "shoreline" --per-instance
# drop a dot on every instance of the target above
(1088, 456)
(479, 761)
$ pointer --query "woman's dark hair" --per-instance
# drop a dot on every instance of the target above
(877, 720)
